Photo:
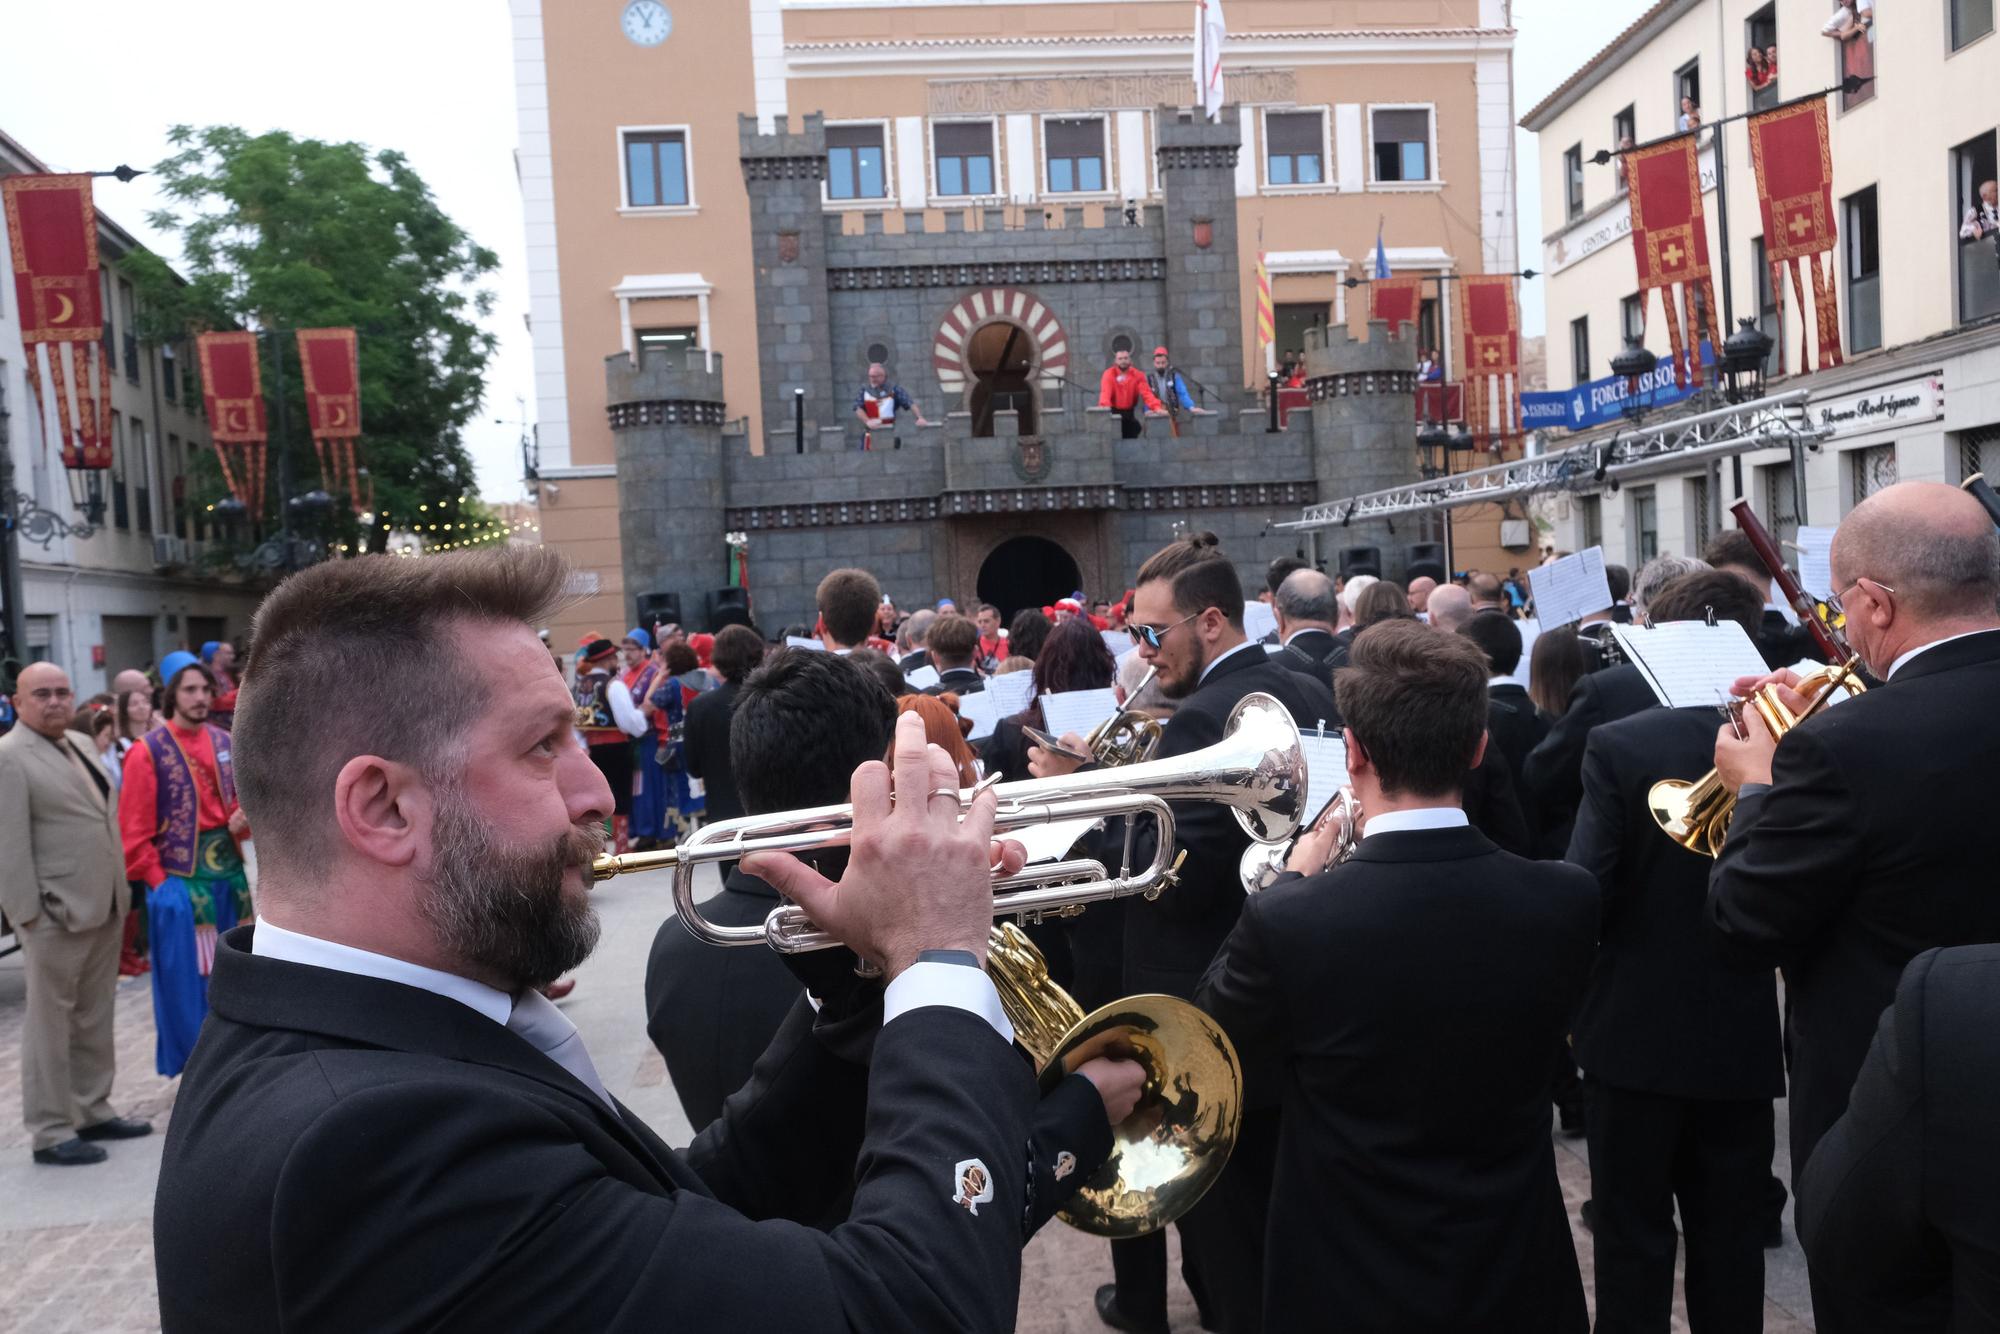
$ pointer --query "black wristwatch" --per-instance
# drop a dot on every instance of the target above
(965, 958)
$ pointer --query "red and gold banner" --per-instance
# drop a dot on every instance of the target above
(330, 362)
(54, 229)
(1396, 300)
(1670, 241)
(1794, 164)
(232, 388)
(1491, 318)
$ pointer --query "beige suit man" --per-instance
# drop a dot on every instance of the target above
(62, 885)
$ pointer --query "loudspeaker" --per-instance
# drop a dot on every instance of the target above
(1425, 559)
(1360, 560)
(659, 608)
(728, 606)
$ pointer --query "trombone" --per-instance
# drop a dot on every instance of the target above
(1258, 770)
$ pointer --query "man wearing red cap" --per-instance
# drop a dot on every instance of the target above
(1123, 388)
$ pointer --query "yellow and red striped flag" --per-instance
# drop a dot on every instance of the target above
(1266, 323)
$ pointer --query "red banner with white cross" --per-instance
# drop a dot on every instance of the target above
(1396, 300)
(53, 226)
(1670, 242)
(1491, 318)
(1794, 161)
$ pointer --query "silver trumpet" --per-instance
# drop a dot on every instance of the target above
(1263, 863)
(1258, 770)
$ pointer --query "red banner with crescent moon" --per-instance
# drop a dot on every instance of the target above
(1396, 300)
(330, 361)
(1492, 369)
(1794, 161)
(1670, 241)
(53, 225)
(232, 388)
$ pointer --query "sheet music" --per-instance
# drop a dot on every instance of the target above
(1688, 664)
(1050, 842)
(796, 641)
(1011, 691)
(1326, 769)
(1531, 630)
(1259, 620)
(1118, 642)
(1572, 588)
(984, 712)
(923, 678)
(1078, 711)
(1816, 561)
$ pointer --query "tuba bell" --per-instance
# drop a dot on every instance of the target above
(1696, 814)
(1263, 863)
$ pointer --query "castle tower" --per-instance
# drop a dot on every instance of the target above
(1204, 300)
(666, 419)
(1363, 431)
(781, 173)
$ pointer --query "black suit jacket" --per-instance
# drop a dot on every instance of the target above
(1896, 1209)
(958, 681)
(349, 1153)
(1781, 643)
(1311, 652)
(705, 737)
(1553, 771)
(1169, 941)
(1406, 1007)
(1513, 726)
(1868, 849)
(915, 659)
(1664, 1013)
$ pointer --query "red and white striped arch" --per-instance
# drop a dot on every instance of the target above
(984, 306)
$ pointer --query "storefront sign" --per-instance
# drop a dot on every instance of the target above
(1880, 409)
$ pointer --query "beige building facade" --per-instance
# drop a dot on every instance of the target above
(1352, 115)
(1919, 395)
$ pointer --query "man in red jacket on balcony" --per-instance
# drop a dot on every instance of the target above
(1123, 388)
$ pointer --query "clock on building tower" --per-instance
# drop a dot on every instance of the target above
(646, 22)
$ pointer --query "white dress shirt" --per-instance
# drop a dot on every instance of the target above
(1223, 657)
(623, 711)
(1904, 658)
(1423, 817)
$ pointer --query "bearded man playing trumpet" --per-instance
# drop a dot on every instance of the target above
(431, 1145)
(1859, 839)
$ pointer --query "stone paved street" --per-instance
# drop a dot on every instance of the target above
(76, 1248)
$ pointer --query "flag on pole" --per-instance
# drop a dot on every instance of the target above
(1381, 255)
(1209, 34)
(1266, 322)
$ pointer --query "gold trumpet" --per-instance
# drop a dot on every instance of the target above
(1258, 770)
(1696, 815)
(1263, 863)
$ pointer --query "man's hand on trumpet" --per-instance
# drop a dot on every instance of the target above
(1744, 746)
(919, 874)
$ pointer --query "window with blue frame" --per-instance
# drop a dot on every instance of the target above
(1402, 139)
(964, 151)
(856, 163)
(1295, 148)
(1074, 150)
(656, 169)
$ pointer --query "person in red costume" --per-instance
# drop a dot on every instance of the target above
(1122, 389)
(219, 656)
(180, 823)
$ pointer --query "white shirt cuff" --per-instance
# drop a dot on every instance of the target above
(952, 984)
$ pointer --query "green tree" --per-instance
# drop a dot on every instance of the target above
(284, 233)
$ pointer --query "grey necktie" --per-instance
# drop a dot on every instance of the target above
(549, 1031)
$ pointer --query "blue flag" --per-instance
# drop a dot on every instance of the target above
(1381, 255)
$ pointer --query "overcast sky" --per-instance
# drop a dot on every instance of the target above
(434, 79)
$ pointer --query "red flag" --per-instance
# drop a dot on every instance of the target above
(1670, 241)
(329, 360)
(1794, 164)
(1396, 300)
(56, 284)
(1492, 322)
(232, 387)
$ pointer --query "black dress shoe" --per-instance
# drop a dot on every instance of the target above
(118, 1127)
(1108, 1311)
(71, 1153)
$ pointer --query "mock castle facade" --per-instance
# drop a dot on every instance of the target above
(1023, 490)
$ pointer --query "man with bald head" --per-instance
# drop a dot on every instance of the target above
(1420, 590)
(62, 886)
(129, 680)
(1857, 842)
(1450, 607)
(1307, 613)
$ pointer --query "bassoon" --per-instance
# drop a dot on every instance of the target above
(1983, 493)
(1812, 615)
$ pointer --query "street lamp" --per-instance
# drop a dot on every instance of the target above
(1744, 355)
(1633, 364)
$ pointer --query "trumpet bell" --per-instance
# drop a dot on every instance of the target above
(1166, 1155)
(1269, 780)
(1672, 807)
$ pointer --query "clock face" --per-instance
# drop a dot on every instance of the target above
(646, 22)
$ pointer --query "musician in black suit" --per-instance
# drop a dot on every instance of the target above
(1402, 1006)
(1843, 862)
(1187, 616)
(1553, 771)
(432, 1146)
(1896, 1208)
(1781, 641)
(1512, 723)
(1679, 1050)
(1307, 612)
(954, 646)
(738, 650)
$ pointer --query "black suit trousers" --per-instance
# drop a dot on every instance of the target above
(1712, 1156)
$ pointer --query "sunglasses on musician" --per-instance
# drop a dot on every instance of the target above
(1154, 636)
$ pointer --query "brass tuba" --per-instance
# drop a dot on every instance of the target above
(1263, 863)
(1696, 815)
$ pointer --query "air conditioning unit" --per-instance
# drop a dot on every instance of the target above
(169, 551)
(1515, 534)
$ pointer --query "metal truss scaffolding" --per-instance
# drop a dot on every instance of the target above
(1780, 421)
